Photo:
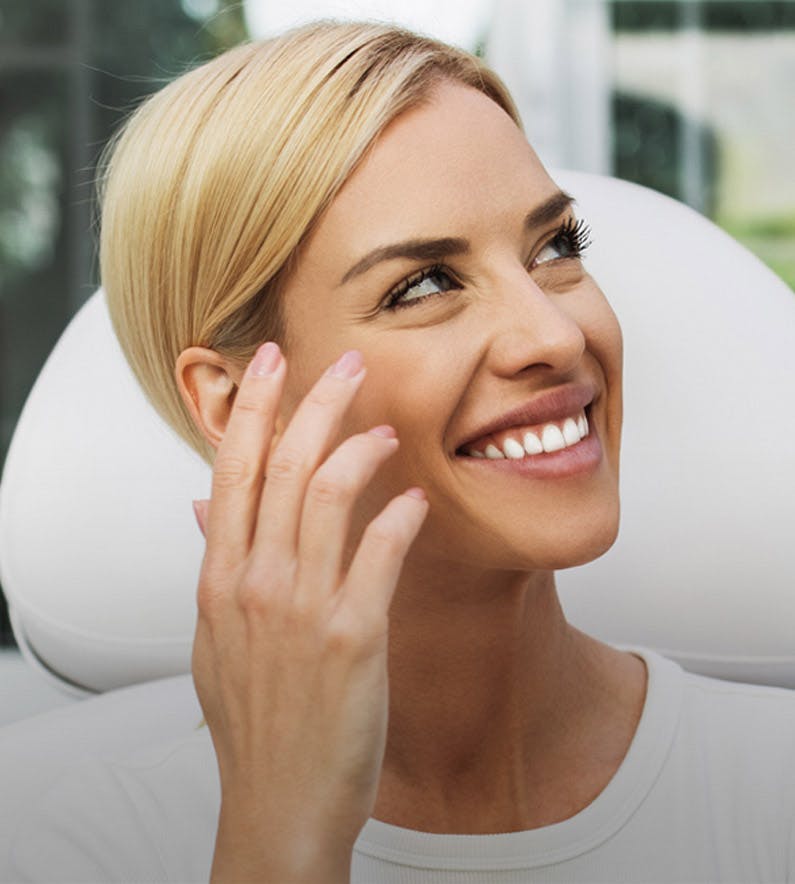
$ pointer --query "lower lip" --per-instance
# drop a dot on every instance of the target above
(580, 459)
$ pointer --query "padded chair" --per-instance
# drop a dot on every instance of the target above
(100, 553)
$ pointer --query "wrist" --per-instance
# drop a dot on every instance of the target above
(251, 848)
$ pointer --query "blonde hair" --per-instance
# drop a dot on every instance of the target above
(213, 183)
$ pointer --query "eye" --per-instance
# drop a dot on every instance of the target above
(419, 286)
(570, 241)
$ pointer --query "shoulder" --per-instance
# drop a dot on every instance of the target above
(738, 739)
(727, 743)
(730, 716)
(739, 711)
(151, 816)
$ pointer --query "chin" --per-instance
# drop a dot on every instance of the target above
(567, 544)
(560, 540)
(559, 552)
(574, 554)
(569, 538)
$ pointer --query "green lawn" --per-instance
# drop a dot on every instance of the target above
(770, 239)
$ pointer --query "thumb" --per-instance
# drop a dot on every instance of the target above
(200, 511)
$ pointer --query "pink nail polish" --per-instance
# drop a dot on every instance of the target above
(266, 359)
(347, 365)
(384, 430)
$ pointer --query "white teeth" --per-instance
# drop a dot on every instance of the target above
(552, 439)
(570, 432)
(532, 444)
(513, 449)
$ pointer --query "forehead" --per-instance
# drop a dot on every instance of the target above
(446, 162)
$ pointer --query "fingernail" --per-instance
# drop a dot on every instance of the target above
(384, 430)
(266, 359)
(416, 492)
(197, 511)
(347, 365)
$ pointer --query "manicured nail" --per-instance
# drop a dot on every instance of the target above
(266, 359)
(347, 365)
(384, 430)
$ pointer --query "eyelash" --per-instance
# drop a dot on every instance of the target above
(575, 233)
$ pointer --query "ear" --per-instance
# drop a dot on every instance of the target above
(208, 384)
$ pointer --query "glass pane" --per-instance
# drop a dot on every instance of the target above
(702, 110)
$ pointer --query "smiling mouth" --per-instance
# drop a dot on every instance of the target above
(532, 442)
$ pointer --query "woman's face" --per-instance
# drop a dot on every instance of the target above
(505, 316)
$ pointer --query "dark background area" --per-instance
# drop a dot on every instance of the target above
(70, 71)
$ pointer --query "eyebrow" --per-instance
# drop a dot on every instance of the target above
(432, 249)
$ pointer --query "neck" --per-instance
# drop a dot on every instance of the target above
(498, 704)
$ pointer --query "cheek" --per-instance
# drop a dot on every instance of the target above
(603, 332)
(399, 392)
(414, 390)
(605, 342)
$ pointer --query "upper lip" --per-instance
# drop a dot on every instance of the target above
(549, 406)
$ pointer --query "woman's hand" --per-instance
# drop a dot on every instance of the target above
(290, 654)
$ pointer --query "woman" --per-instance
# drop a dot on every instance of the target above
(334, 261)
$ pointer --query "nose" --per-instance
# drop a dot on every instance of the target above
(533, 327)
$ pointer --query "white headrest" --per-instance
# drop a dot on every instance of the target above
(99, 548)
(100, 553)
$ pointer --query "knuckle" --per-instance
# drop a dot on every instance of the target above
(248, 404)
(253, 600)
(231, 471)
(285, 464)
(328, 490)
(322, 395)
(385, 537)
(304, 619)
(344, 637)
(207, 601)
(216, 579)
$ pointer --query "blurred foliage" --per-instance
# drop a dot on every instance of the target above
(42, 23)
(771, 238)
(119, 53)
(774, 227)
(33, 155)
(712, 15)
(137, 47)
(647, 148)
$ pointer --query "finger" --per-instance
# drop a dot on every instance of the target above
(302, 448)
(374, 571)
(239, 465)
(326, 516)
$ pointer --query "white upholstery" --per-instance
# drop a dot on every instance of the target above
(99, 551)
(703, 570)
(36, 751)
(99, 548)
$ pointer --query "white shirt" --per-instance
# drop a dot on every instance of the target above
(705, 793)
